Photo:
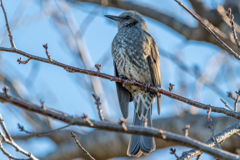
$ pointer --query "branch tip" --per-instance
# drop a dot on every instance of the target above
(81, 147)
(171, 86)
(85, 118)
(45, 46)
(5, 90)
(98, 67)
(122, 122)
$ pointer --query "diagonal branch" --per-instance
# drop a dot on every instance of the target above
(7, 139)
(7, 25)
(210, 31)
(220, 137)
(117, 79)
(5, 128)
(81, 147)
(6, 153)
(153, 132)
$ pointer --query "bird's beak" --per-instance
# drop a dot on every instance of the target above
(115, 18)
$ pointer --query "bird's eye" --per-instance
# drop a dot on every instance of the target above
(128, 17)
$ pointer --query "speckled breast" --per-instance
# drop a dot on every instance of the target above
(130, 49)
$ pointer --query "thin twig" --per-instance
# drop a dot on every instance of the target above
(236, 102)
(98, 66)
(231, 17)
(185, 130)
(99, 108)
(171, 86)
(173, 151)
(198, 157)
(122, 122)
(85, 118)
(20, 61)
(138, 130)
(8, 28)
(81, 147)
(121, 80)
(210, 31)
(45, 46)
(5, 90)
(5, 128)
(19, 149)
(6, 153)
(221, 137)
(226, 104)
(42, 133)
(211, 127)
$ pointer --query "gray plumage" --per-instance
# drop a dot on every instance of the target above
(136, 57)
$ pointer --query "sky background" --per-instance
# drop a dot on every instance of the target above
(63, 91)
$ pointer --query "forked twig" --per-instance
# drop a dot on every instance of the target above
(210, 31)
(81, 147)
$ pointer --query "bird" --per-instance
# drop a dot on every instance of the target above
(136, 58)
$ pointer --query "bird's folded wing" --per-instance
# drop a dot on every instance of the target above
(154, 65)
(124, 96)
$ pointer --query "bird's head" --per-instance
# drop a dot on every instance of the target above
(129, 19)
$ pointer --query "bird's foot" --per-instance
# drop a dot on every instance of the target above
(123, 76)
(146, 84)
(132, 79)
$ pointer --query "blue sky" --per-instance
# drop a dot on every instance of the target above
(63, 91)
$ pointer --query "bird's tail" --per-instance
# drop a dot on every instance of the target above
(143, 109)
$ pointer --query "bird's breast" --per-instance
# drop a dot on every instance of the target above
(130, 57)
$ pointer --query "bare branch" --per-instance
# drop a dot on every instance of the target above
(210, 31)
(122, 123)
(117, 79)
(42, 133)
(5, 90)
(211, 127)
(173, 151)
(99, 108)
(8, 28)
(45, 46)
(5, 128)
(19, 149)
(19, 60)
(236, 101)
(231, 17)
(226, 104)
(6, 153)
(85, 118)
(81, 147)
(220, 137)
(230, 94)
(171, 86)
(98, 66)
(185, 130)
(181, 140)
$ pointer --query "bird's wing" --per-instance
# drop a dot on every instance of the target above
(124, 96)
(154, 65)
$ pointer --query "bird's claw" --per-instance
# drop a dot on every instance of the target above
(147, 84)
(123, 76)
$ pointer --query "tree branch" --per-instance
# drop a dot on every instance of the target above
(181, 140)
(81, 147)
(8, 28)
(116, 144)
(210, 31)
(10, 141)
(220, 137)
(117, 79)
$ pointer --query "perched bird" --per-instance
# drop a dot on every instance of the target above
(136, 58)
